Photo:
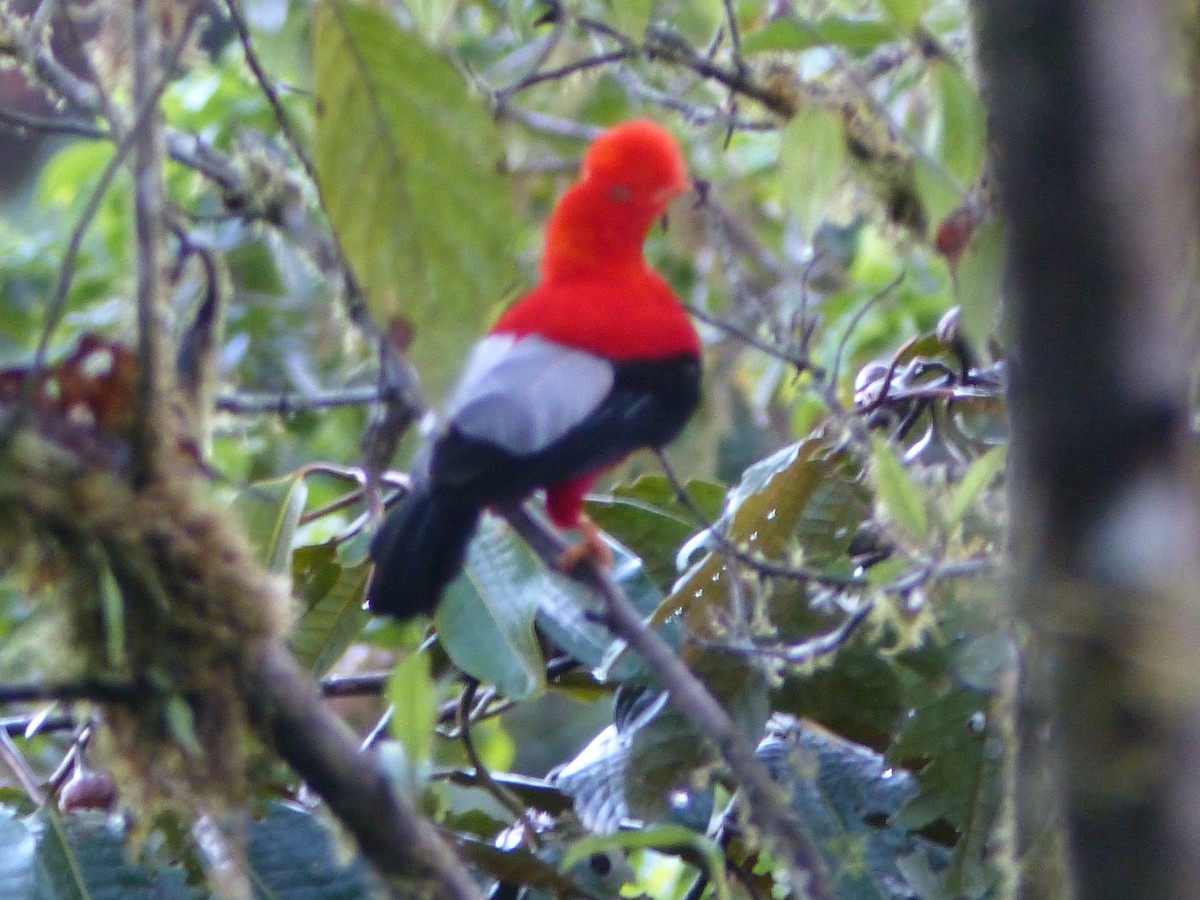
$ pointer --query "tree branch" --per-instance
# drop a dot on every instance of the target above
(286, 404)
(318, 746)
(766, 804)
(1093, 170)
(151, 411)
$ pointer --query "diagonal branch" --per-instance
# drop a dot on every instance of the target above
(766, 804)
(319, 747)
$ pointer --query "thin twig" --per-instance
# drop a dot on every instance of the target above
(23, 121)
(549, 45)
(288, 404)
(783, 354)
(233, 7)
(670, 47)
(580, 65)
(850, 327)
(483, 775)
(18, 726)
(735, 37)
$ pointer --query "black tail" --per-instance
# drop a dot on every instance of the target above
(418, 550)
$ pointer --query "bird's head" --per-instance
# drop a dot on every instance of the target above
(637, 164)
(630, 174)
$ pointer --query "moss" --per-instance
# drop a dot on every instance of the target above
(160, 588)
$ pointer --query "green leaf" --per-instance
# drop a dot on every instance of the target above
(563, 618)
(939, 192)
(412, 692)
(977, 282)
(981, 473)
(270, 512)
(631, 16)
(85, 857)
(792, 33)
(905, 13)
(951, 739)
(485, 618)
(182, 724)
(856, 694)
(899, 493)
(812, 161)
(959, 128)
(253, 269)
(655, 533)
(112, 612)
(277, 844)
(651, 521)
(17, 847)
(809, 492)
(846, 795)
(332, 596)
(431, 16)
(407, 163)
(665, 837)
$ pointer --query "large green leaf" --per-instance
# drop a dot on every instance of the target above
(647, 517)
(485, 618)
(949, 734)
(977, 283)
(847, 796)
(959, 126)
(812, 161)
(793, 33)
(413, 695)
(808, 492)
(981, 473)
(901, 496)
(408, 165)
(332, 597)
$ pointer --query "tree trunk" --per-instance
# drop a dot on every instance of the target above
(1089, 161)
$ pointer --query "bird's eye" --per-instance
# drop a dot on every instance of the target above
(620, 193)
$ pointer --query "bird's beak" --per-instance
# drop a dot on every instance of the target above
(669, 193)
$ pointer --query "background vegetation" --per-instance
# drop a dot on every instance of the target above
(247, 242)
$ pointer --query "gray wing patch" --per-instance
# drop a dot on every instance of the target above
(523, 394)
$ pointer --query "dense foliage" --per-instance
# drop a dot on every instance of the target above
(821, 548)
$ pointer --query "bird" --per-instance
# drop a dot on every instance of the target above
(599, 359)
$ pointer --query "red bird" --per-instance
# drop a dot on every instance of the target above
(598, 360)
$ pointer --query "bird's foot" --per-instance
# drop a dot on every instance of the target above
(591, 547)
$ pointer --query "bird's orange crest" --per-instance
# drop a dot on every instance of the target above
(639, 159)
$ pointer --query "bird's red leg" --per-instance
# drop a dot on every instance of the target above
(591, 546)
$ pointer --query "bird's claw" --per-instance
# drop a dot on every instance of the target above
(591, 547)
